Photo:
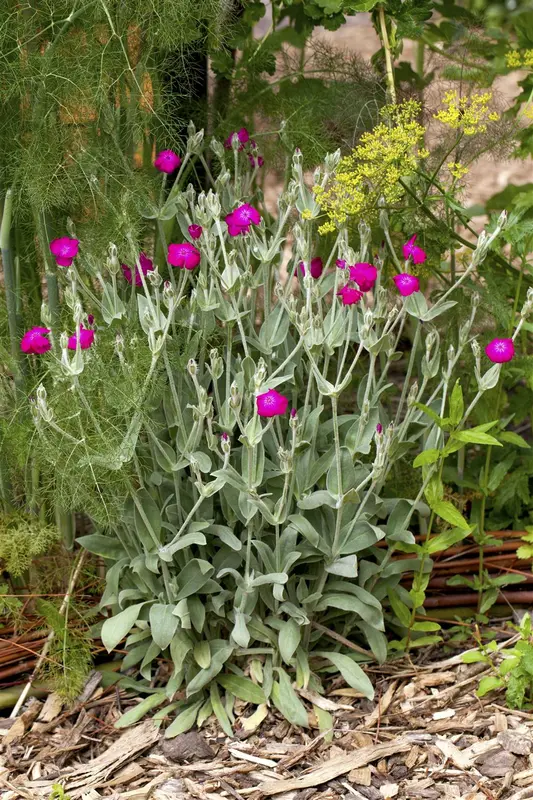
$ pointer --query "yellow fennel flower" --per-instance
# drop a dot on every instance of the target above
(456, 169)
(513, 59)
(527, 58)
(469, 113)
(373, 170)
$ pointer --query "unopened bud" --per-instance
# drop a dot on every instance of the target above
(225, 444)
(192, 367)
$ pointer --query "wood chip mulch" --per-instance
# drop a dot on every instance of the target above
(427, 736)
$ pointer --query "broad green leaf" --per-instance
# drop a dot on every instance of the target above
(345, 567)
(202, 654)
(351, 672)
(104, 546)
(427, 457)
(205, 676)
(400, 609)
(138, 711)
(305, 528)
(511, 438)
(289, 639)
(446, 539)
(340, 487)
(115, 628)
(287, 701)
(451, 514)
(184, 721)
(243, 688)
(473, 657)
(348, 602)
(225, 535)
(488, 684)
(473, 436)
(163, 624)
(193, 577)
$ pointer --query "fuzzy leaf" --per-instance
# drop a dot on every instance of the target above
(351, 672)
(243, 688)
(287, 701)
(115, 628)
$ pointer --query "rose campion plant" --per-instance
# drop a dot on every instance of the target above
(239, 536)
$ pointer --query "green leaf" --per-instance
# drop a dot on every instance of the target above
(457, 405)
(450, 513)
(325, 723)
(204, 677)
(104, 546)
(243, 688)
(219, 710)
(202, 654)
(427, 457)
(434, 491)
(431, 414)
(473, 436)
(473, 657)
(446, 539)
(163, 624)
(488, 684)
(193, 577)
(184, 721)
(287, 701)
(138, 711)
(289, 639)
(400, 609)
(115, 628)
(351, 672)
(340, 487)
(305, 528)
(511, 438)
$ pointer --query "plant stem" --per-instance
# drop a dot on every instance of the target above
(10, 287)
(388, 58)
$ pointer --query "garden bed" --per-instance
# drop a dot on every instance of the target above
(426, 736)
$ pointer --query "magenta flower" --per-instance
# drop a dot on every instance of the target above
(406, 284)
(35, 341)
(86, 339)
(349, 295)
(64, 250)
(412, 251)
(364, 275)
(341, 263)
(316, 267)
(379, 428)
(167, 161)
(195, 231)
(90, 318)
(241, 218)
(146, 266)
(243, 137)
(272, 404)
(256, 161)
(183, 255)
(500, 350)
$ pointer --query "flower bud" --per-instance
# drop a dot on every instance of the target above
(195, 142)
(190, 194)
(46, 317)
(169, 294)
(192, 367)
(63, 341)
(331, 161)
(154, 278)
(451, 353)
(217, 148)
(297, 157)
(78, 313)
(235, 396)
(212, 204)
(225, 444)
(260, 374)
(413, 393)
(112, 263)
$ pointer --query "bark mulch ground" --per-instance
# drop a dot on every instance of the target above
(427, 735)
